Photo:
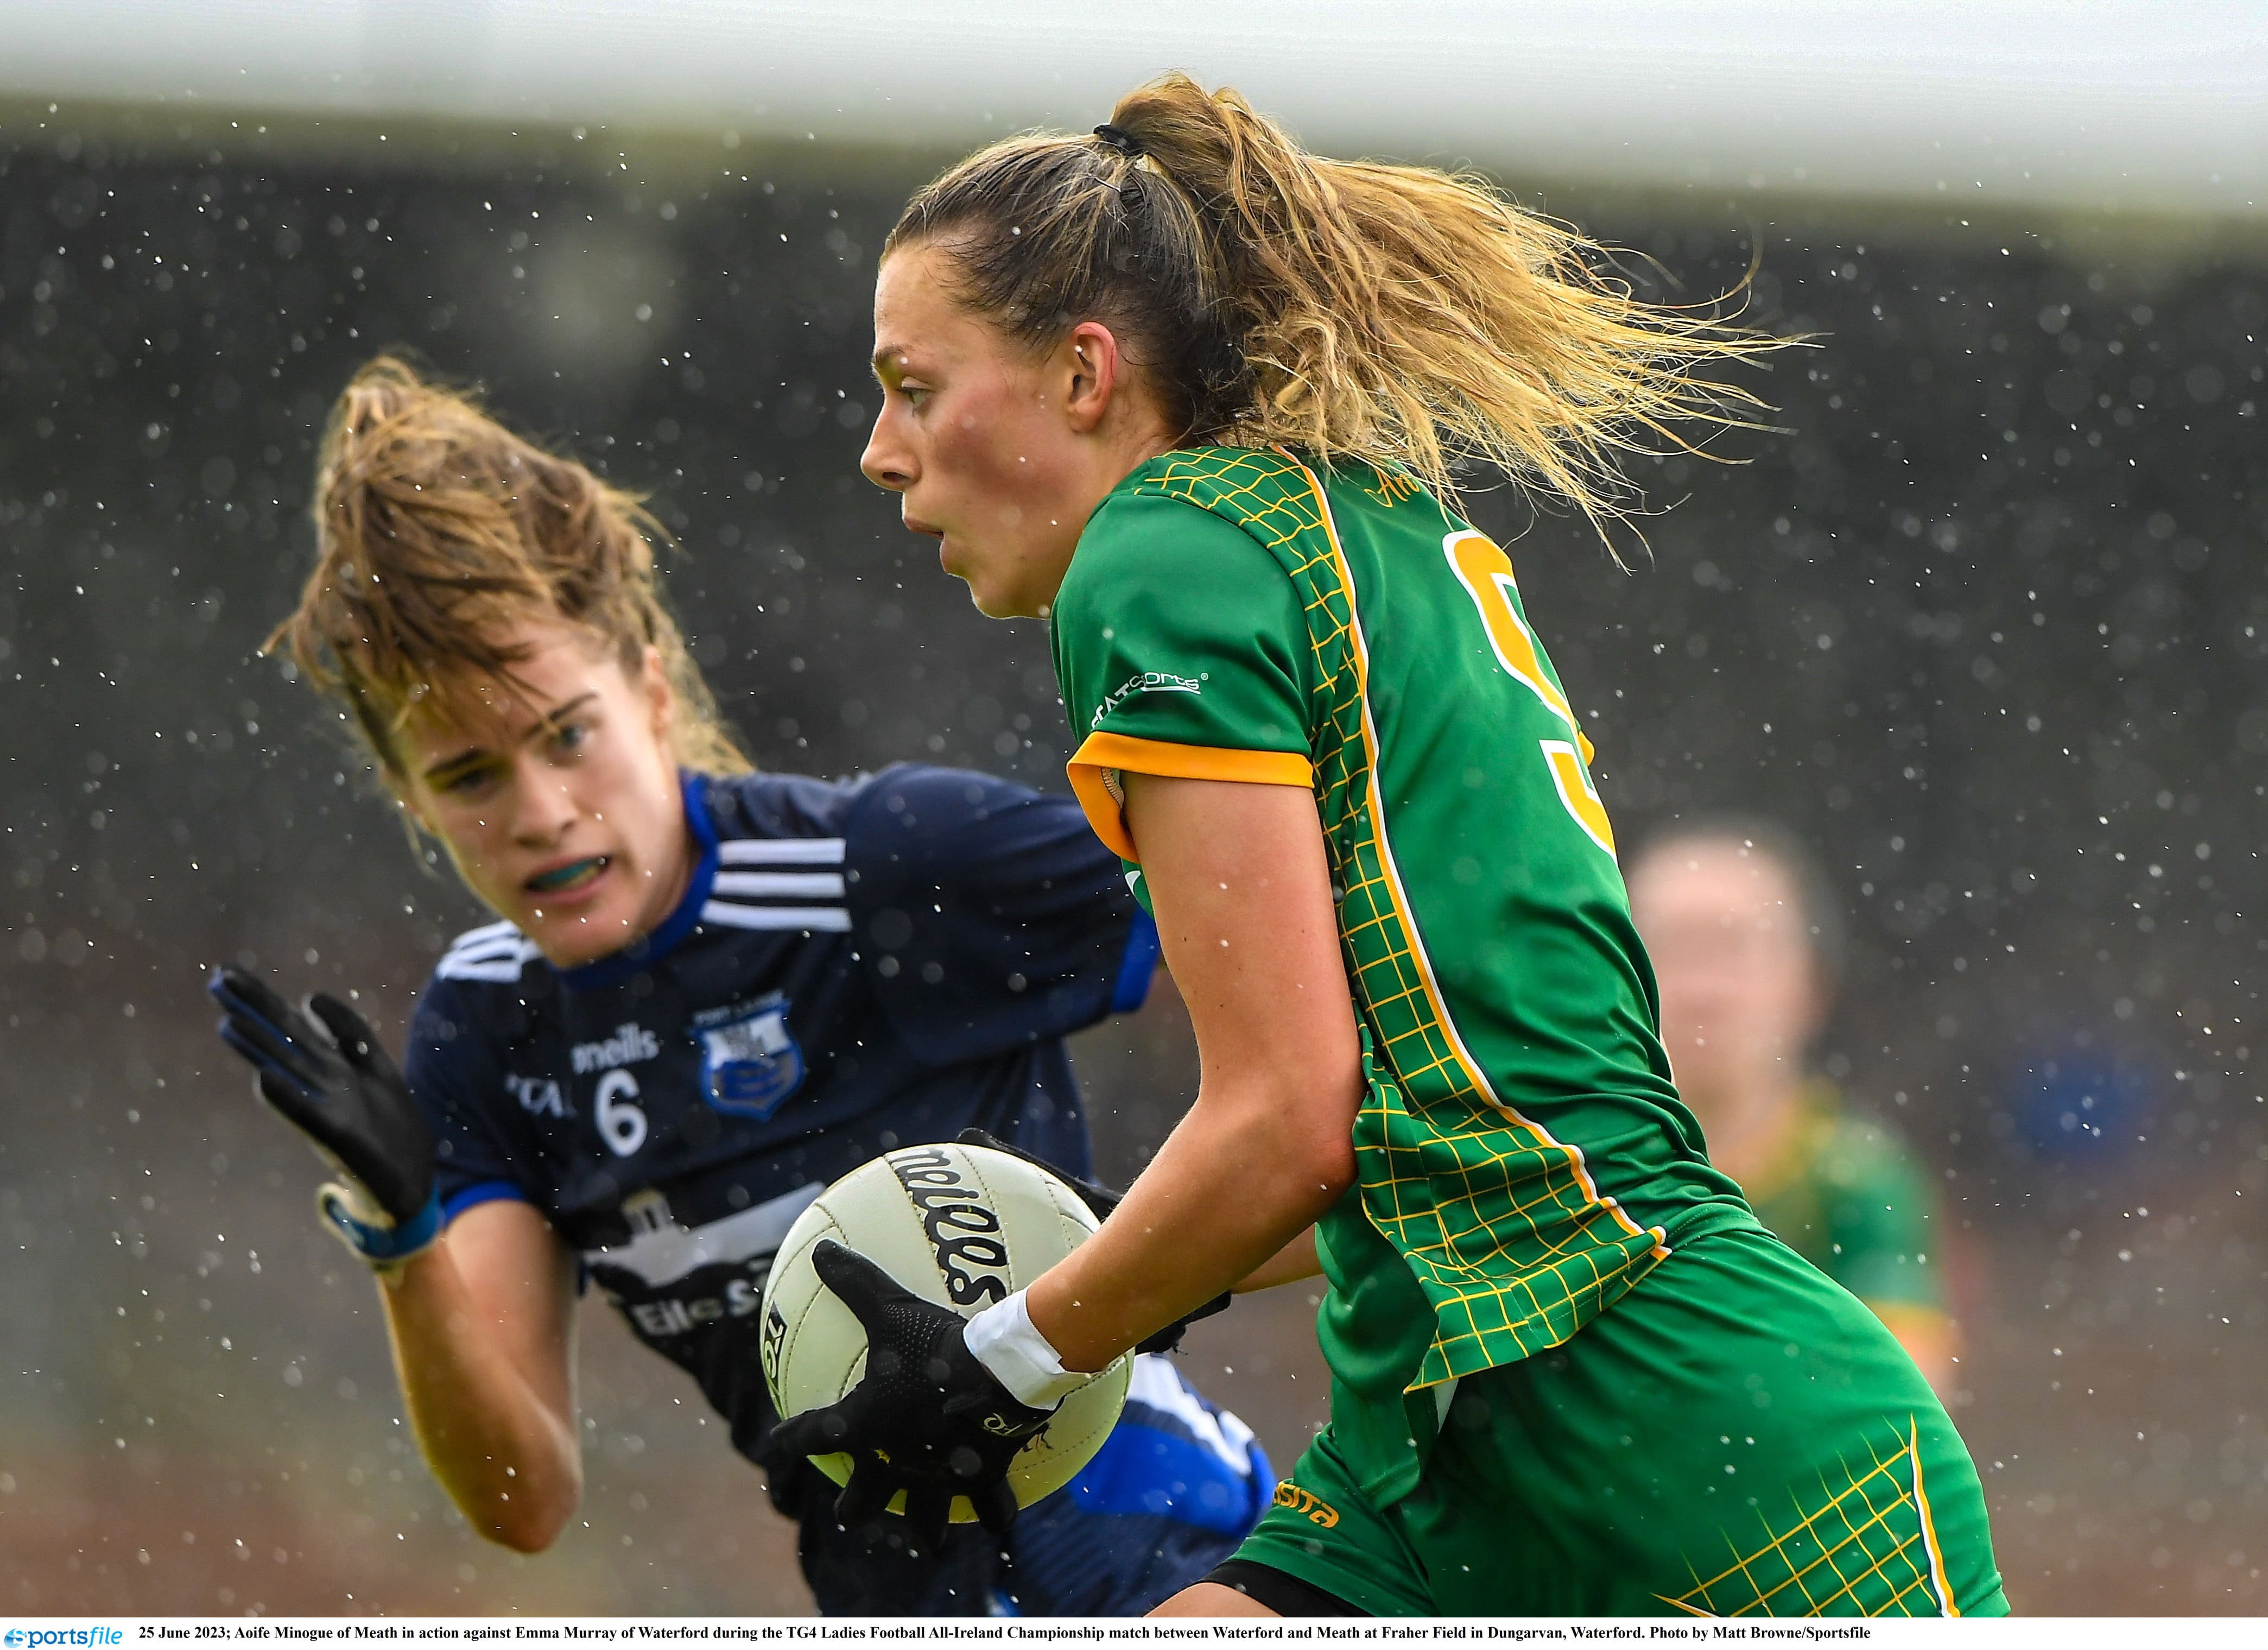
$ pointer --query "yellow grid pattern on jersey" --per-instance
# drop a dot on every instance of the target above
(1500, 1222)
(1863, 1547)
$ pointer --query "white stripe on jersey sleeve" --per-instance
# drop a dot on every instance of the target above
(811, 919)
(496, 953)
(489, 931)
(503, 969)
(782, 850)
(804, 885)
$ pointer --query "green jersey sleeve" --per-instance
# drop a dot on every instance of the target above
(1181, 649)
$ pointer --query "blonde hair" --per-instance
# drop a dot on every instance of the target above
(1397, 314)
(436, 528)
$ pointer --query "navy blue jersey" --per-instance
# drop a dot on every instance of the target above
(853, 967)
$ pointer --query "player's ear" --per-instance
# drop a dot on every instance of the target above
(661, 698)
(1092, 370)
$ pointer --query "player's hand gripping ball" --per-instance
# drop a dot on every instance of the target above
(863, 1348)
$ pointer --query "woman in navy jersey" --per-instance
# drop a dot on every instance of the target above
(708, 992)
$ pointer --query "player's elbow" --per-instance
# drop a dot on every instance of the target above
(1327, 1166)
(526, 1524)
(526, 1513)
(1314, 1147)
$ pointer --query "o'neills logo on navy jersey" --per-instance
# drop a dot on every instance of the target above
(965, 1235)
(631, 1042)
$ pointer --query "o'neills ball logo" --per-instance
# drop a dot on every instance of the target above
(965, 1235)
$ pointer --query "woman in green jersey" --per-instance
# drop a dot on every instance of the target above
(1193, 396)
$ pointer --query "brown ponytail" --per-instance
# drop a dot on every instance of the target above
(1393, 314)
(437, 529)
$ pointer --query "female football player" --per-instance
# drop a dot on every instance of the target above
(707, 992)
(1193, 395)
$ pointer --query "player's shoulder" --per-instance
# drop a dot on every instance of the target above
(815, 847)
(494, 954)
(780, 852)
(1158, 526)
(1239, 483)
(911, 814)
(483, 994)
(791, 819)
(1151, 565)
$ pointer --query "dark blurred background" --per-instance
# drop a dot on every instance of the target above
(1983, 617)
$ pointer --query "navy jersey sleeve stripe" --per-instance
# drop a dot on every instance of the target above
(480, 1192)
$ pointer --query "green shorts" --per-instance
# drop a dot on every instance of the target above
(1736, 1436)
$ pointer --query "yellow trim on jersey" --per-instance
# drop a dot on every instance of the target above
(1938, 1582)
(1360, 651)
(1124, 753)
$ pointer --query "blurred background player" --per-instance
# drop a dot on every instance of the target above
(711, 993)
(1746, 936)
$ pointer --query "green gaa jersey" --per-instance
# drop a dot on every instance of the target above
(1524, 1158)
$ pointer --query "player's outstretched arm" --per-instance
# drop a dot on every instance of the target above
(1241, 883)
(481, 1319)
(483, 1329)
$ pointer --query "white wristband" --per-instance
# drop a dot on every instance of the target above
(1010, 1347)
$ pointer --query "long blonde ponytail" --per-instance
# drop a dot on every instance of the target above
(1393, 314)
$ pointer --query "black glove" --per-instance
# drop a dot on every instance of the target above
(926, 1417)
(325, 1071)
(1101, 1200)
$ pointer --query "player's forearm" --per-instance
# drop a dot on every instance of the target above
(1239, 878)
(505, 1452)
(1295, 1261)
(1248, 1171)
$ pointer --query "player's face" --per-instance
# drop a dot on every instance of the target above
(999, 451)
(1740, 997)
(562, 812)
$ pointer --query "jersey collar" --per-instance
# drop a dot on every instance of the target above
(641, 954)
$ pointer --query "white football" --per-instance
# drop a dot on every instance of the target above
(962, 1226)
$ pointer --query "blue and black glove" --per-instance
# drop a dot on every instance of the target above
(325, 1071)
(1100, 1200)
(926, 1417)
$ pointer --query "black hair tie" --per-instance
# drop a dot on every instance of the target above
(1120, 139)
